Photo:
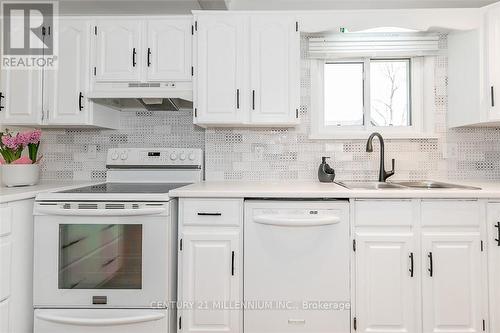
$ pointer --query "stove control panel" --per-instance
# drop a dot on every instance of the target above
(151, 157)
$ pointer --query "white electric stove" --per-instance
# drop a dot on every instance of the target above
(105, 254)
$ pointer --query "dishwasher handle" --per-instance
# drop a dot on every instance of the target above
(296, 220)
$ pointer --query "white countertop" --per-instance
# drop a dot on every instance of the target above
(8, 194)
(295, 189)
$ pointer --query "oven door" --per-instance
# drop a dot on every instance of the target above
(90, 254)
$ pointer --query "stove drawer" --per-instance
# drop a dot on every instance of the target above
(220, 212)
(100, 321)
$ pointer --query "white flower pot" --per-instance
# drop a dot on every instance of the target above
(20, 174)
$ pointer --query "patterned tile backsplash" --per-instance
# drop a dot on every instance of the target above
(281, 154)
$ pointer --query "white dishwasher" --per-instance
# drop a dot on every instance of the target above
(296, 266)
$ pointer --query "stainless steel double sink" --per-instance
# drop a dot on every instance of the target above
(423, 185)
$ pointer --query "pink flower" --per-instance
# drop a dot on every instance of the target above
(22, 139)
(10, 142)
(35, 136)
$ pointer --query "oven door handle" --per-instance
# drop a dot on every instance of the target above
(99, 212)
(296, 221)
(100, 321)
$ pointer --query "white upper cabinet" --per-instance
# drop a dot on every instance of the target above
(141, 50)
(118, 55)
(67, 86)
(451, 287)
(246, 69)
(56, 97)
(493, 42)
(474, 73)
(168, 50)
(274, 69)
(386, 281)
(221, 90)
(21, 97)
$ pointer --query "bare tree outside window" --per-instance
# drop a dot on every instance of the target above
(390, 92)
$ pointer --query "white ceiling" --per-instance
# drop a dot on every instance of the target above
(185, 6)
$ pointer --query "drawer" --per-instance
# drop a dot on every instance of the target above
(5, 220)
(5, 268)
(101, 320)
(384, 212)
(221, 212)
(4, 316)
(450, 213)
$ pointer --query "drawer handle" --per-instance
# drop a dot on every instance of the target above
(209, 214)
(296, 321)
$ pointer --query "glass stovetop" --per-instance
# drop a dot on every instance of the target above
(126, 188)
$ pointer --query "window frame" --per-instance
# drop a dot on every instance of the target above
(421, 106)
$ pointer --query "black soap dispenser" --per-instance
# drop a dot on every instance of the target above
(325, 173)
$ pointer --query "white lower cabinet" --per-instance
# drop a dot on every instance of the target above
(4, 316)
(16, 267)
(386, 281)
(210, 256)
(451, 285)
(494, 265)
(431, 259)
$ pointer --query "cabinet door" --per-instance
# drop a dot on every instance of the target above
(493, 32)
(221, 90)
(494, 265)
(66, 86)
(451, 282)
(210, 281)
(118, 56)
(386, 282)
(21, 97)
(168, 50)
(274, 68)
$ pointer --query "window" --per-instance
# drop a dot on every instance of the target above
(351, 98)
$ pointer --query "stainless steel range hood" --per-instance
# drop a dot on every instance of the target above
(149, 104)
(127, 96)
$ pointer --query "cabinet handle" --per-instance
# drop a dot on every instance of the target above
(253, 99)
(498, 239)
(411, 264)
(210, 214)
(134, 53)
(431, 265)
(232, 263)
(80, 101)
(237, 98)
(1, 96)
(492, 96)
(149, 56)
